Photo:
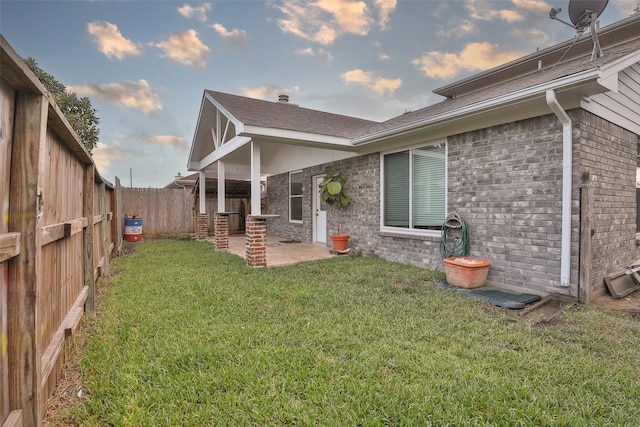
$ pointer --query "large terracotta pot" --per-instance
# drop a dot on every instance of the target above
(466, 272)
(339, 242)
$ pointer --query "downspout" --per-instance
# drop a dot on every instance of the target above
(567, 156)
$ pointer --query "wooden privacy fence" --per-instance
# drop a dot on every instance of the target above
(169, 212)
(61, 223)
(165, 212)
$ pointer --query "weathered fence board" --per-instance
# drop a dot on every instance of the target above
(10, 249)
(58, 229)
(29, 135)
(165, 212)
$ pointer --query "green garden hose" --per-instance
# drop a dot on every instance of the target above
(455, 237)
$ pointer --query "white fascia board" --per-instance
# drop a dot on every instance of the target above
(238, 124)
(193, 166)
(232, 145)
(283, 134)
(621, 63)
(609, 78)
(195, 134)
(484, 106)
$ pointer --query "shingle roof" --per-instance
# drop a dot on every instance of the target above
(524, 82)
(278, 115)
(286, 116)
(580, 46)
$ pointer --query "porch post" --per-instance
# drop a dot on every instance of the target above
(255, 179)
(202, 192)
(202, 218)
(222, 194)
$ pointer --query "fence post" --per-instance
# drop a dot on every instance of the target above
(30, 131)
(87, 238)
(586, 239)
(118, 216)
(103, 229)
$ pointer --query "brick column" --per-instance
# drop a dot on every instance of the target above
(202, 226)
(256, 254)
(221, 231)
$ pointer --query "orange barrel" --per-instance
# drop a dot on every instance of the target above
(132, 229)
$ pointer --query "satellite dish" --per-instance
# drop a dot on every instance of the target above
(583, 14)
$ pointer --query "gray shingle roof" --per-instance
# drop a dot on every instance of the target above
(279, 115)
(535, 78)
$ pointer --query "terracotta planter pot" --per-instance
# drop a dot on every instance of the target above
(466, 272)
(339, 241)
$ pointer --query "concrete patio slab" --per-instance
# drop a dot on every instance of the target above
(281, 251)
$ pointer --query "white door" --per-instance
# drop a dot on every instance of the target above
(319, 215)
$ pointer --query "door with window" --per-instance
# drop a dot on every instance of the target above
(319, 213)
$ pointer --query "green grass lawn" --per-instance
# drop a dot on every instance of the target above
(186, 336)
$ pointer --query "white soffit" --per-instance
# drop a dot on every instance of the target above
(292, 135)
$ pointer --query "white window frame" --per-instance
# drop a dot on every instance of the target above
(290, 196)
(413, 231)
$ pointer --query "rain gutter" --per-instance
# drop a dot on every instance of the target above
(480, 107)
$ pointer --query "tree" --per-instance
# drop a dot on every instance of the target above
(78, 111)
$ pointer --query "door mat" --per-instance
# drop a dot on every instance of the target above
(495, 296)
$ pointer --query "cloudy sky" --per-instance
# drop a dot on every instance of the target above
(145, 64)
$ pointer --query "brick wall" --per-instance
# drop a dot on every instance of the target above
(608, 153)
(361, 219)
(278, 204)
(506, 182)
(356, 219)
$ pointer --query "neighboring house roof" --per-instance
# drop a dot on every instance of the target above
(191, 179)
(233, 188)
(287, 116)
(236, 184)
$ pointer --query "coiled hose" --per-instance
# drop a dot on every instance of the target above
(455, 237)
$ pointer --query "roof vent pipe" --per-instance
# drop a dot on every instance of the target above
(567, 155)
(283, 98)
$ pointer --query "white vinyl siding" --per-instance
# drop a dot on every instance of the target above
(414, 189)
(621, 107)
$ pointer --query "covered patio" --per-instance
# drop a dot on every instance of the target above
(257, 139)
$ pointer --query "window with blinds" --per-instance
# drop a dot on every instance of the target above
(295, 196)
(415, 188)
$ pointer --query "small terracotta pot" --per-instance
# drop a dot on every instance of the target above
(466, 272)
(339, 241)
